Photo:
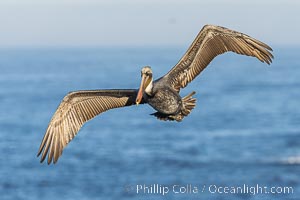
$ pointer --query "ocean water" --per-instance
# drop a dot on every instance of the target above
(242, 141)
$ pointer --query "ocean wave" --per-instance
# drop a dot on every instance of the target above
(292, 160)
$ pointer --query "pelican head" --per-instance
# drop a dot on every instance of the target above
(146, 83)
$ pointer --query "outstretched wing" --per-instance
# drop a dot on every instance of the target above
(210, 42)
(75, 109)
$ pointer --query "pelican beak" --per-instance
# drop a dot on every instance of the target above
(144, 84)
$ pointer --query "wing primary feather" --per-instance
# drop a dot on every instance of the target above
(266, 54)
(259, 43)
(45, 138)
(51, 149)
(57, 149)
(46, 149)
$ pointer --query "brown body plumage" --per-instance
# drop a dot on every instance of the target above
(162, 94)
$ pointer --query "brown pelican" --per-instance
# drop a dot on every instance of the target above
(162, 94)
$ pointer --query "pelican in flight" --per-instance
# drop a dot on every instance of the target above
(162, 94)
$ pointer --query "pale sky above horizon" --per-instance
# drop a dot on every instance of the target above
(139, 23)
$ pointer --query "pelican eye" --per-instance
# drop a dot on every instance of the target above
(148, 73)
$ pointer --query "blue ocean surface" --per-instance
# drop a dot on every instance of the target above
(242, 141)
